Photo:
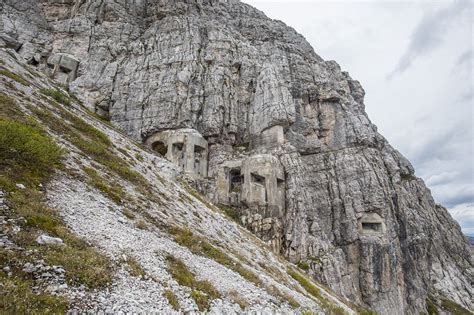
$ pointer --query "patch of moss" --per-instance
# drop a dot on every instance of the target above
(199, 246)
(203, 291)
(172, 299)
(15, 77)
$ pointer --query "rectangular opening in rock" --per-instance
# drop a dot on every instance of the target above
(160, 147)
(372, 227)
(235, 178)
(257, 179)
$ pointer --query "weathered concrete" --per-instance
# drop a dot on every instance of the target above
(268, 138)
(63, 68)
(264, 184)
(371, 224)
(184, 147)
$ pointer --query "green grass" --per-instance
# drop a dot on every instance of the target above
(9, 110)
(454, 308)
(316, 293)
(57, 95)
(26, 152)
(304, 265)
(129, 214)
(285, 297)
(91, 142)
(30, 156)
(305, 283)
(202, 291)
(431, 307)
(17, 297)
(134, 268)
(14, 77)
(141, 224)
(238, 299)
(201, 247)
(172, 299)
(111, 189)
(231, 212)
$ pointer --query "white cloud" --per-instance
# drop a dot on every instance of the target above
(464, 214)
(430, 33)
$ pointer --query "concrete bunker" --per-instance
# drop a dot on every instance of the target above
(371, 224)
(258, 180)
(185, 148)
(269, 137)
(63, 68)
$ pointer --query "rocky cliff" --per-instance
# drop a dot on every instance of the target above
(263, 125)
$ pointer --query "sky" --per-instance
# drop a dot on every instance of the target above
(415, 62)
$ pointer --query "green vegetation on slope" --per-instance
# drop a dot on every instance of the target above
(57, 95)
(202, 291)
(315, 292)
(172, 299)
(29, 156)
(200, 246)
(15, 77)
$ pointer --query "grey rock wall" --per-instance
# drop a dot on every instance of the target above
(223, 68)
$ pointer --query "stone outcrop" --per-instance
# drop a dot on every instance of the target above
(252, 87)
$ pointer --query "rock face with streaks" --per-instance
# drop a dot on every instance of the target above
(332, 193)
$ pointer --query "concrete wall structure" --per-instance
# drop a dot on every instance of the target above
(63, 68)
(257, 181)
(269, 137)
(185, 148)
(264, 183)
(371, 223)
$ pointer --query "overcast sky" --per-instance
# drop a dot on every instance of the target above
(414, 60)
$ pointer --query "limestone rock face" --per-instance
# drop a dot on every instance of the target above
(353, 209)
